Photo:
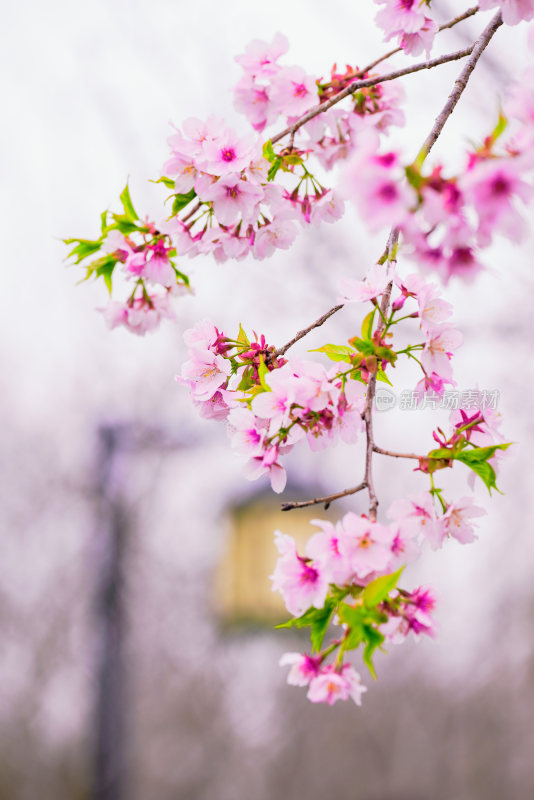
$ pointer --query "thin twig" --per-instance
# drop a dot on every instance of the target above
(450, 24)
(326, 500)
(305, 331)
(367, 83)
(459, 86)
(383, 452)
(371, 386)
(193, 211)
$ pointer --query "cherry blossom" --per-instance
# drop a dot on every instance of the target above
(299, 580)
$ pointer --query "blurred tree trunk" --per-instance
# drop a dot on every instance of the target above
(109, 776)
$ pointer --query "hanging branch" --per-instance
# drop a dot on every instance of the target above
(391, 248)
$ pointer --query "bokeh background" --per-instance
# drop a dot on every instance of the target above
(128, 630)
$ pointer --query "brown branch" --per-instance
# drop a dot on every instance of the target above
(193, 211)
(383, 452)
(450, 24)
(367, 83)
(326, 500)
(305, 331)
(391, 249)
(459, 86)
(459, 18)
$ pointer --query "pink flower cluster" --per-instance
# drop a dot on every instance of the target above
(445, 221)
(407, 21)
(326, 683)
(417, 514)
(441, 339)
(139, 314)
(513, 11)
(268, 90)
(293, 401)
(146, 259)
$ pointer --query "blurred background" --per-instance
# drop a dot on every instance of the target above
(136, 619)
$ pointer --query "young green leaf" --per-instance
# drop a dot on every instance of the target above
(367, 325)
(182, 200)
(335, 352)
(379, 589)
(84, 248)
(268, 151)
(129, 211)
(374, 639)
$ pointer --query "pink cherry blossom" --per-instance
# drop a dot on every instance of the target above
(246, 432)
(139, 315)
(417, 512)
(205, 373)
(293, 92)
(442, 342)
(299, 580)
(278, 234)
(513, 11)
(232, 198)
(457, 519)
(266, 463)
(493, 186)
(323, 548)
(373, 285)
(260, 57)
(332, 685)
(226, 154)
(276, 404)
(303, 668)
(407, 16)
(364, 544)
(421, 40)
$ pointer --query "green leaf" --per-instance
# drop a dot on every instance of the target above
(103, 222)
(478, 454)
(500, 127)
(335, 352)
(379, 589)
(476, 459)
(320, 624)
(182, 200)
(293, 160)
(242, 337)
(484, 471)
(84, 248)
(268, 151)
(381, 376)
(277, 163)
(367, 324)
(124, 224)
(129, 211)
(414, 177)
(169, 183)
(246, 381)
(374, 639)
(181, 276)
(310, 616)
(103, 268)
(262, 372)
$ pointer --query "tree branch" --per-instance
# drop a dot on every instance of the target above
(326, 500)
(383, 452)
(367, 83)
(305, 331)
(450, 24)
(391, 249)
(459, 86)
